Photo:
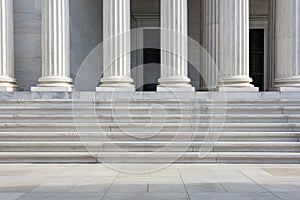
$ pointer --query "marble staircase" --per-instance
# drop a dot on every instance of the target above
(254, 128)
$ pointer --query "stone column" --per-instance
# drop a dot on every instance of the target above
(234, 46)
(174, 46)
(210, 42)
(287, 43)
(7, 81)
(55, 47)
(116, 47)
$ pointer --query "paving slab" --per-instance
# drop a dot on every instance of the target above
(190, 181)
(10, 196)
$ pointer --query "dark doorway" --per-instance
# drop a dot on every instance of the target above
(257, 57)
(151, 57)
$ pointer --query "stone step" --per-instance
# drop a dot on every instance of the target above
(151, 136)
(157, 109)
(146, 102)
(161, 157)
(142, 118)
(150, 127)
(150, 146)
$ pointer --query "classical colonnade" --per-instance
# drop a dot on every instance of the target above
(226, 40)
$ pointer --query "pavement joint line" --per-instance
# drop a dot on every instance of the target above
(224, 187)
(148, 187)
(187, 192)
(261, 185)
(110, 185)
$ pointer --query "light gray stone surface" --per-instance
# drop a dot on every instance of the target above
(86, 19)
(153, 182)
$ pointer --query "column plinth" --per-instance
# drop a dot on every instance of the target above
(174, 47)
(7, 81)
(287, 39)
(55, 48)
(234, 46)
(116, 47)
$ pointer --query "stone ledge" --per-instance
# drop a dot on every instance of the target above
(211, 96)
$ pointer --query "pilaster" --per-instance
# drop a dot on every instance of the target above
(210, 42)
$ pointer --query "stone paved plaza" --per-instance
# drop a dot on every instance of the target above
(95, 181)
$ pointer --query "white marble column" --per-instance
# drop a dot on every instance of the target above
(210, 42)
(234, 46)
(7, 81)
(55, 47)
(116, 47)
(174, 46)
(287, 43)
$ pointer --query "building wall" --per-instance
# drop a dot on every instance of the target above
(85, 29)
(258, 7)
(27, 27)
(194, 7)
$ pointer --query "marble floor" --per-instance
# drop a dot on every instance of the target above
(129, 182)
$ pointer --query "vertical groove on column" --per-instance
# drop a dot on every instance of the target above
(7, 81)
(174, 45)
(116, 48)
(287, 43)
(234, 45)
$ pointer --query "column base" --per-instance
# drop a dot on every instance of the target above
(237, 89)
(236, 84)
(118, 84)
(287, 89)
(287, 84)
(8, 89)
(51, 89)
(176, 84)
(8, 84)
(53, 84)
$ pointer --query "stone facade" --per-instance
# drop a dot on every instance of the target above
(77, 26)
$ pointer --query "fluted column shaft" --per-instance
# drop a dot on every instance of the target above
(7, 81)
(287, 42)
(210, 42)
(55, 47)
(116, 46)
(174, 46)
(234, 46)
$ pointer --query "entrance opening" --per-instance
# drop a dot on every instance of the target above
(257, 57)
(151, 59)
